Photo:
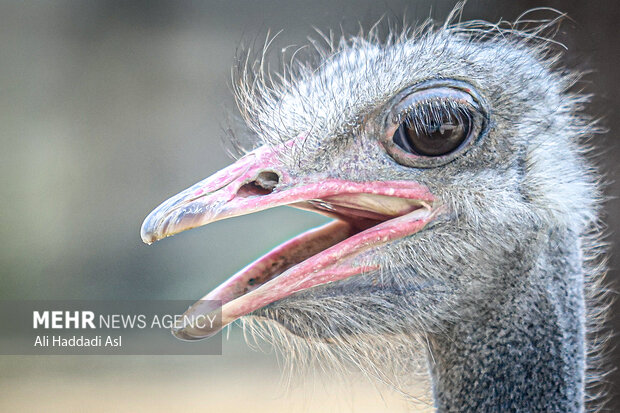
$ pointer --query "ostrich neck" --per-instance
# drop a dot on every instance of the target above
(521, 348)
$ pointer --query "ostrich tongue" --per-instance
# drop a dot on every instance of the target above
(367, 215)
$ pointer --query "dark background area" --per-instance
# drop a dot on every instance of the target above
(109, 107)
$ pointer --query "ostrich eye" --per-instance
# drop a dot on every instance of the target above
(433, 131)
(433, 125)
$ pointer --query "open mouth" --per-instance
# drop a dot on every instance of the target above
(366, 216)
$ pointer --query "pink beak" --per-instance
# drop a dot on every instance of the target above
(368, 214)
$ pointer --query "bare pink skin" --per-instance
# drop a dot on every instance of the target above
(280, 259)
(369, 214)
(331, 265)
(219, 196)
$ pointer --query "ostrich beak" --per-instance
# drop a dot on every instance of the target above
(367, 214)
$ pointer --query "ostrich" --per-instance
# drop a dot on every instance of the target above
(451, 159)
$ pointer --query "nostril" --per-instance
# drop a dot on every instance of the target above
(268, 180)
(264, 184)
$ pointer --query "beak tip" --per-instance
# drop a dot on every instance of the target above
(148, 238)
(181, 334)
(148, 231)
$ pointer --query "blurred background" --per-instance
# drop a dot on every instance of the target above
(109, 107)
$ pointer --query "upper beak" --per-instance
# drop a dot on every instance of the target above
(368, 214)
(236, 190)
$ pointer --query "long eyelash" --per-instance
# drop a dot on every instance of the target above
(422, 114)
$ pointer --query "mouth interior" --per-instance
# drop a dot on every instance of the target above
(362, 221)
(353, 214)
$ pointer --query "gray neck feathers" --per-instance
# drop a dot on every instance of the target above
(523, 349)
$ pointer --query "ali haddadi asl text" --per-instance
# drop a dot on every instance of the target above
(78, 341)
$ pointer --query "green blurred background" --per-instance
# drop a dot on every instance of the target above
(109, 107)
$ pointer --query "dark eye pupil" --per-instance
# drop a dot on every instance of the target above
(434, 137)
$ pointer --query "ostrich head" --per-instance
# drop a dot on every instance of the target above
(450, 160)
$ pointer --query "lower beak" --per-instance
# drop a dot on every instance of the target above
(367, 214)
